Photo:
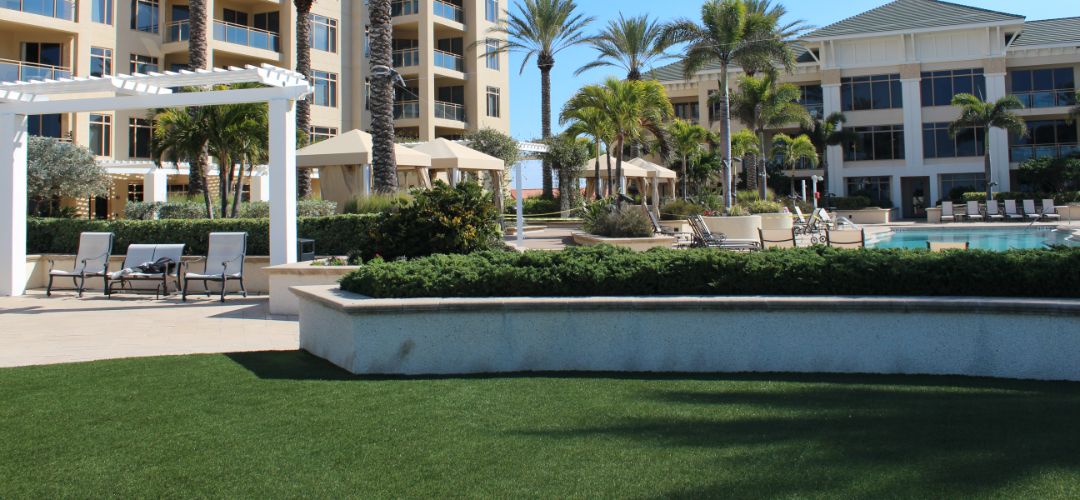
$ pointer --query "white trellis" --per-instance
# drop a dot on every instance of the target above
(139, 92)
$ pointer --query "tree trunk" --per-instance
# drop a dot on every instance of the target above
(198, 59)
(619, 175)
(382, 99)
(545, 63)
(224, 167)
(725, 135)
(608, 172)
(239, 187)
(986, 159)
(303, 66)
(685, 179)
(596, 172)
(762, 168)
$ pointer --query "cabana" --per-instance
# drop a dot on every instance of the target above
(631, 174)
(454, 159)
(657, 175)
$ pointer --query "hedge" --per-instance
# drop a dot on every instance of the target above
(336, 235)
(607, 271)
(1061, 198)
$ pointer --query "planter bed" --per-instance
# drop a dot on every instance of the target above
(588, 240)
(286, 276)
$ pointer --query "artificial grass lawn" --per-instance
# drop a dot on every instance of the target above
(288, 424)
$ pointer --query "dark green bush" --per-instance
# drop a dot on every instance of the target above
(602, 218)
(536, 206)
(681, 209)
(608, 271)
(851, 202)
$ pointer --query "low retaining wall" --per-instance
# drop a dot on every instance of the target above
(867, 215)
(1015, 338)
(743, 227)
(286, 276)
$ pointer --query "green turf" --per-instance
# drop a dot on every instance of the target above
(289, 425)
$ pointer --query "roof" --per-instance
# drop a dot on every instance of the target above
(905, 15)
(354, 148)
(674, 71)
(654, 170)
(1064, 31)
(630, 170)
(449, 155)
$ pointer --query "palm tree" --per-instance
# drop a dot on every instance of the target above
(746, 33)
(743, 144)
(631, 44)
(828, 132)
(1075, 111)
(303, 66)
(593, 123)
(975, 113)
(543, 28)
(795, 150)
(198, 51)
(687, 139)
(382, 98)
(761, 104)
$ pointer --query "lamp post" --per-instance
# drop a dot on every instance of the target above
(814, 179)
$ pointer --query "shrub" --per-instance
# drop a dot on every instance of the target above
(304, 208)
(602, 218)
(608, 271)
(681, 209)
(536, 206)
(376, 203)
(141, 210)
(763, 207)
(182, 210)
(851, 202)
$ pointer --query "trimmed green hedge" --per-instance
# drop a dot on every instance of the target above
(337, 235)
(608, 271)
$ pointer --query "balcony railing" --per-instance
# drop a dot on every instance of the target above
(449, 60)
(246, 35)
(1047, 99)
(404, 7)
(816, 111)
(179, 31)
(60, 9)
(11, 71)
(406, 58)
(1020, 154)
(449, 11)
(406, 109)
(449, 111)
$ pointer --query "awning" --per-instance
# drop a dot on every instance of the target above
(450, 155)
(354, 148)
(629, 169)
(654, 170)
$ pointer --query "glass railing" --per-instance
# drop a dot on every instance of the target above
(178, 31)
(11, 71)
(406, 58)
(449, 11)
(449, 111)
(406, 109)
(449, 60)
(1020, 154)
(60, 9)
(816, 111)
(245, 35)
(1047, 99)
(404, 7)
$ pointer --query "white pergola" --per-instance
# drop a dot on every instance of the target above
(142, 92)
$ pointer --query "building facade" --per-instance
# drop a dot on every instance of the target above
(439, 48)
(893, 72)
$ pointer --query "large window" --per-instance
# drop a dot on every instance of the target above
(493, 96)
(101, 135)
(492, 53)
(491, 10)
(101, 11)
(961, 183)
(1045, 139)
(1045, 88)
(885, 142)
(44, 125)
(323, 33)
(49, 54)
(861, 93)
(687, 111)
(325, 88)
(813, 99)
(143, 64)
(144, 15)
(938, 144)
(135, 192)
(100, 61)
(875, 188)
(319, 134)
(939, 87)
(140, 131)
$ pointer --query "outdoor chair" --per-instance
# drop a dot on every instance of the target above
(137, 263)
(992, 212)
(224, 261)
(941, 246)
(680, 237)
(846, 238)
(703, 237)
(777, 238)
(1010, 211)
(91, 261)
(1030, 212)
(973, 212)
(947, 213)
(1049, 211)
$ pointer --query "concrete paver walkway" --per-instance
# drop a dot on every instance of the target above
(35, 329)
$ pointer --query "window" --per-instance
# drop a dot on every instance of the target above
(325, 88)
(1045, 139)
(267, 21)
(871, 92)
(492, 54)
(404, 7)
(139, 133)
(143, 64)
(100, 61)
(939, 87)
(687, 111)
(234, 17)
(323, 33)
(144, 15)
(491, 10)
(813, 99)
(49, 54)
(135, 192)
(938, 144)
(963, 183)
(317, 134)
(101, 11)
(1044, 88)
(875, 188)
(44, 125)
(493, 95)
(885, 142)
(101, 135)
(406, 53)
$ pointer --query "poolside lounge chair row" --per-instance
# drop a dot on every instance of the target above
(789, 238)
(990, 211)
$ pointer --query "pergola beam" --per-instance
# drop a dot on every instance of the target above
(182, 99)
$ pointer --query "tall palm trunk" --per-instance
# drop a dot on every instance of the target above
(596, 172)
(725, 134)
(545, 63)
(986, 160)
(619, 173)
(198, 59)
(608, 153)
(382, 99)
(303, 66)
(239, 186)
(762, 170)
(685, 179)
(224, 175)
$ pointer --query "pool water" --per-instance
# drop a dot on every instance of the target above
(997, 239)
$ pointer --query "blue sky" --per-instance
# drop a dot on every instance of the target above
(525, 87)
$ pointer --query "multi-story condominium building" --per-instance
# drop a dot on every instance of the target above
(439, 49)
(893, 72)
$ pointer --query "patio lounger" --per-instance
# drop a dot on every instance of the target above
(973, 212)
(1049, 211)
(224, 262)
(947, 214)
(703, 237)
(777, 238)
(1010, 211)
(846, 238)
(139, 255)
(1030, 212)
(680, 237)
(91, 261)
(941, 246)
(992, 212)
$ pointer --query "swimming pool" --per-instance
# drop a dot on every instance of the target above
(997, 239)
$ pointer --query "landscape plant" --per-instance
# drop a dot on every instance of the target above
(608, 219)
(762, 103)
(57, 170)
(568, 156)
(979, 114)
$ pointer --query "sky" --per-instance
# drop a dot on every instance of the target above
(525, 87)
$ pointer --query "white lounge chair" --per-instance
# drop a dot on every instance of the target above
(1010, 211)
(703, 237)
(91, 261)
(947, 213)
(973, 212)
(1030, 212)
(138, 257)
(992, 211)
(224, 262)
(1049, 211)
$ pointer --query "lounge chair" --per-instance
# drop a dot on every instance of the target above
(91, 261)
(941, 246)
(224, 262)
(992, 212)
(1030, 212)
(1049, 211)
(680, 237)
(1010, 211)
(777, 238)
(947, 213)
(703, 237)
(846, 238)
(973, 212)
(140, 256)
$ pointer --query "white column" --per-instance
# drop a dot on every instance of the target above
(834, 155)
(13, 140)
(260, 187)
(520, 235)
(282, 181)
(999, 138)
(913, 143)
(155, 186)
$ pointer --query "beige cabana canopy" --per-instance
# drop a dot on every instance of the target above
(630, 170)
(655, 170)
(353, 148)
(657, 175)
(449, 155)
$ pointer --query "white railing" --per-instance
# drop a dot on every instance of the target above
(404, 7)
(178, 31)
(1020, 154)
(246, 35)
(60, 9)
(406, 57)
(448, 10)
(449, 111)
(406, 109)
(11, 70)
(1047, 98)
(449, 60)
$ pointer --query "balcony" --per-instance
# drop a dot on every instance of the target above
(179, 31)
(406, 109)
(60, 9)
(406, 58)
(816, 111)
(449, 111)
(11, 71)
(449, 11)
(1020, 154)
(404, 7)
(1047, 98)
(449, 60)
(247, 36)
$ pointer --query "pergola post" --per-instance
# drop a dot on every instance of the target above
(282, 172)
(155, 186)
(13, 142)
